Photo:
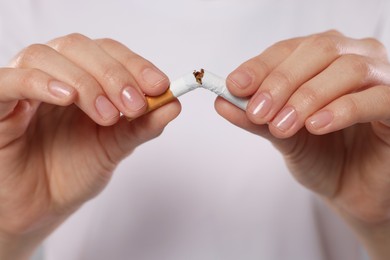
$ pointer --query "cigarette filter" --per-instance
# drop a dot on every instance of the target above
(177, 88)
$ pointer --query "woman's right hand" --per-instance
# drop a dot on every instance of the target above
(61, 134)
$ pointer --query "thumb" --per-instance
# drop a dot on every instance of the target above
(238, 117)
(122, 138)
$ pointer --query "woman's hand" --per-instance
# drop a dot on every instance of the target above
(61, 134)
(324, 102)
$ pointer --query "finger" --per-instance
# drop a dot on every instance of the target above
(6, 108)
(312, 56)
(366, 106)
(20, 84)
(349, 73)
(116, 81)
(123, 137)
(150, 79)
(130, 135)
(238, 118)
(246, 79)
(15, 125)
(91, 97)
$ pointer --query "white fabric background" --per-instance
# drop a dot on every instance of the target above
(204, 189)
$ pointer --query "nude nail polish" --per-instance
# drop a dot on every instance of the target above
(153, 77)
(285, 119)
(132, 99)
(60, 89)
(321, 119)
(105, 108)
(260, 105)
(241, 79)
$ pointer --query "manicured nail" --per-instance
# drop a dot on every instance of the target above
(285, 119)
(105, 108)
(260, 105)
(60, 89)
(153, 77)
(132, 99)
(241, 79)
(321, 119)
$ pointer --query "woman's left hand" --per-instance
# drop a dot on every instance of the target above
(324, 102)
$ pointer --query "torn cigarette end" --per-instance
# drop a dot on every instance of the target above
(156, 102)
(199, 75)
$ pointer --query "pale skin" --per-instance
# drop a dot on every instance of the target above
(323, 101)
(61, 136)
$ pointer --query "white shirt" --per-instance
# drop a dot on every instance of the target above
(204, 189)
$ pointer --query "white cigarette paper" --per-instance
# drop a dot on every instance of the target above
(183, 85)
(203, 79)
(217, 85)
(211, 82)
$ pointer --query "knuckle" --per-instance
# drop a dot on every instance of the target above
(359, 66)
(307, 95)
(75, 37)
(350, 107)
(107, 42)
(131, 60)
(285, 47)
(377, 46)
(325, 43)
(333, 32)
(31, 54)
(281, 79)
(83, 81)
(257, 64)
(69, 41)
(375, 43)
(30, 78)
(112, 73)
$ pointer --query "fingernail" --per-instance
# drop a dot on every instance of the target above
(321, 119)
(132, 99)
(241, 79)
(60, 89)
(153, 77)
(285, 119)
(260, 105)
(105, 108)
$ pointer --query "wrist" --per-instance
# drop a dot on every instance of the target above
(21, 244)
(14, 247)
(375, 238)
(374, 235)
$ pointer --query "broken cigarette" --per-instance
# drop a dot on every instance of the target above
(217, 85)
(188, 82)
(177, 88)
